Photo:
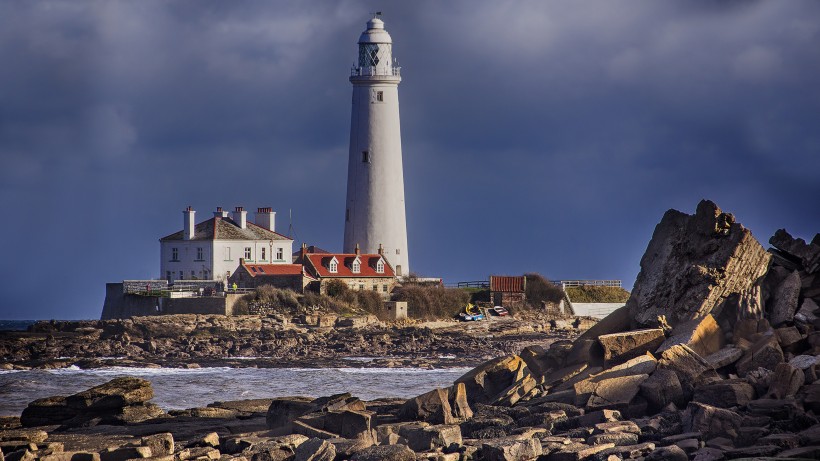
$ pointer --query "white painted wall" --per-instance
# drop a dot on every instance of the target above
(375, 209)
(214, 264)
(597, 310)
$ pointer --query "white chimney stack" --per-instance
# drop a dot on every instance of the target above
(220, 213)
(189, 223)
(240, 217)
(266, 219)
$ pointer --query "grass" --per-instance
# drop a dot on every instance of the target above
(591, 294)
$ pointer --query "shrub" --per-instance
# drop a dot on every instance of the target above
(336, 288)
(590, 294)
(431, 302)
(541, 290)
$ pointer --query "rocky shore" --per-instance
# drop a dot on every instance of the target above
(715, 356)
(272, 341)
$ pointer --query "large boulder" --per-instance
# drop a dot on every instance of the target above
(693, 264)
(492, 379)
(620, 347)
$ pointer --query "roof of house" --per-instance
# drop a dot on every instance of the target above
(270, 270)
(218, 228)
(507, 284)
(321, 262)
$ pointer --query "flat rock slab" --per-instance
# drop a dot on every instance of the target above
(724, 357)
(702, 335)
(620, 347)
(616, 393)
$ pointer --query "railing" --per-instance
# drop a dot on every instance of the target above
(375, 71)
(473, 284)
(587, 283)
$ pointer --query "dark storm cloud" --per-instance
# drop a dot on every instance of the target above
(538, 136)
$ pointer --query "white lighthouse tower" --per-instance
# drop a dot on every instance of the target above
(375, 213)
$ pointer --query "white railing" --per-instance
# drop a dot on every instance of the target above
(375, 72)
(588, 283)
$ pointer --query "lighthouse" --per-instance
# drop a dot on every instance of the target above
(375, 213)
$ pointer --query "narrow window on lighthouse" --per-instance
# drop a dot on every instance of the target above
(380, 96)
(347, 214)
(365, 156)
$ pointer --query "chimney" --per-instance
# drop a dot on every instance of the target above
(266, 218)
(304, 252)
(240, 217)
(188, 223)
(358, 251)
(381, 249)
(219, 213)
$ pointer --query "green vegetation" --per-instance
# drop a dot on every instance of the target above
(540, 290)
(589, 294)
(340, 300)
(432, 302)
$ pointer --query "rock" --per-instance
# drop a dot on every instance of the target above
(765, 353)
(811, 397)
(210, 439)
(620, 347)
(702, 335)
(670, 453)
(784, 303)
(601, 416)
(125, 453)
(284, 410)
(662, 388)
(790, 339)
(26, 435)
(807, 254)
(578, 451)
(432, 407)
(509, 449)
(115, 394)
(585, 351)
(459, 406)
(725, 394)
(487, 381)
(812, 452)
(538, 362)
(160, 444)
(693, 264)
(315, 450)
(47, 411)
(786, 381)
(385, 453)
(616, 393)
(625, 452)
(617, 438)
(431, 437)
(724, 357)
(711, 421)
(584, 388)
(692, 370)
(71, 456)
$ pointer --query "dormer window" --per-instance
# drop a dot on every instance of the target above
(380, 267)
(356, 267)
(333, 266)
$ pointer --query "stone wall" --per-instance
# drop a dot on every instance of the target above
(363, 283)
(119, 306)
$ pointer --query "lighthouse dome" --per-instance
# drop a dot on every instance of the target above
(375, 33)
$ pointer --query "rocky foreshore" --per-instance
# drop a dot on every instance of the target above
(715, 357)
(318, 340)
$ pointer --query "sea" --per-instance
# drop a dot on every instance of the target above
(15, 325)
(176, 388)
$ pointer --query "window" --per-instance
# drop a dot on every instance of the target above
(384, 288)
(365, 156)
(247, 252)
(398, 251)
(347, 214)
(168, 275)
(227, 253)
(200, 254)
(181, 277)
(398, 270)
(263, 253)
(361, 287)
(356, 267)
(380, 267)
(333, 267)
(380, 96)
(174, 254)
(280, 254)
(375, 288)
(193, 274)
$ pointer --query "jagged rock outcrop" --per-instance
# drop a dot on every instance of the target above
(693, 265)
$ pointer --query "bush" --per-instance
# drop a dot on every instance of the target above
(590, 294)
(431, 302)
(541, 290)
(336, 288)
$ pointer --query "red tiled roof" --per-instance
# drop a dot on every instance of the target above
(507, 284)
(321, 263)
(273, 269)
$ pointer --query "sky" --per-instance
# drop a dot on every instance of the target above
(537, 136)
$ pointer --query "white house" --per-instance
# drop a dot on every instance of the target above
(211, 249)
